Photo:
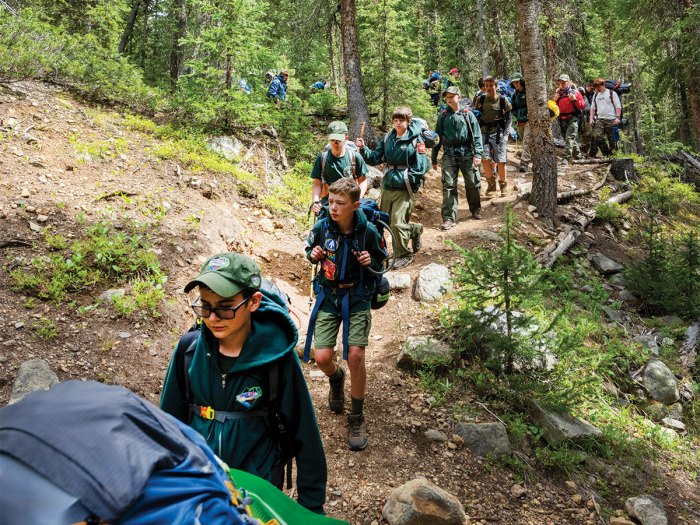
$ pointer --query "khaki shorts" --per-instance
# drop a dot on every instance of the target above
(328, 324)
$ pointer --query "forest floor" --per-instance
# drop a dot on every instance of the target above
(79, 155)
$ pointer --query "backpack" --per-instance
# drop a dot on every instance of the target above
(381, 220)
(478, 109)
(86, 452)
(619, 87)
(350, 148)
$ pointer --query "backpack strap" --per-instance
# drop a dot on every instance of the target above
(324, 157)
(183, 358)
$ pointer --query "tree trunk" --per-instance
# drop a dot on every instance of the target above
(177, 51)
(385, 67)
(129, 29)
(502, 62)
(144, 36)
(694, 102)
(357, 102)
(483, 44)
(544, 163)
(331, 52)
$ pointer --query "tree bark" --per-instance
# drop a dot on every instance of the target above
(129, 29)
(331, 52)
(502, 62)
(357, 101)
(694, 102)
(481, 31)
(177, 51)
(544, 163)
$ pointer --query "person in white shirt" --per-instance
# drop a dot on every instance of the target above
(603, 117)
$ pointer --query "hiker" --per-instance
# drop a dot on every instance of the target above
(403, 153)
(459, 131)
(434, 87)
(570, 103)
(278, 88)
(519, 102)
(338, 160)
(604, 117)
(238, 377)
(494, 118)
(319, 85)
(345, 243)
(451, 79)
(587, 92)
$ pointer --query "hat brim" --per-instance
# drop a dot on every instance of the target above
(217, 283)
(565, 79)
(336, 136)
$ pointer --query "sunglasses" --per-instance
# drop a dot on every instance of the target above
(222, 312)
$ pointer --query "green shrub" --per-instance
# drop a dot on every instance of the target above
(609, 212)
(661, 192)
(324, 102)
(45, 328)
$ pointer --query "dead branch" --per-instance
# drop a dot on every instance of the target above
(13, 242)
(592, 161)
(116, 193)
(564, 196)
(620, 198)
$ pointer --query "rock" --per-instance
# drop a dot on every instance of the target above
(576, 499)
(432, 283)
(124, 335)
(560, 427)
(42, 218)
(195, 183)
(531, 208)
(571, 487)
(616, 316)
(660, 382)
(518, 491)
(419, 351)
(267, 225)
(228, 147)
(484, 438)
(648, 341)
(626, 295)
(647, 509)
(33, 375)
(110, 295)
(25, 193)
(656, 411)
(673, 424)
(433, 434)
(486, 235)
(34, 226)
(420, 502)
(19, 324)
(617, 279)
(604, 265)
(398, 281)
(675, 411)
(587, 288)
(672, 320)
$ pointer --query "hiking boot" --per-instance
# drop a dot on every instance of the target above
(336, 393)
(491, 185)
(523, 167)
(416, 241)
(447, 225)
(503, 185)
(402, 262)
(357, 437)
(476, 215)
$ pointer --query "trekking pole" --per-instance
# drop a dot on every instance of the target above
(362, 130)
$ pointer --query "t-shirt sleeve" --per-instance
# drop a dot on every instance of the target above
(316, 170)
(361, 166)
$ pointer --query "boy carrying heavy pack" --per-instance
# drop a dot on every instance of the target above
(238, 381)
(346, 245)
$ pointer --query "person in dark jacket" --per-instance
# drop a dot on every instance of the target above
(345, 244)
(460, 134)
(519, 104)
(405, 159)
(278, 88)
(243, 334)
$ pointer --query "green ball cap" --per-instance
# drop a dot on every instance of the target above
(227, 274)
(565, 78)
(453, 90)
(337, 130)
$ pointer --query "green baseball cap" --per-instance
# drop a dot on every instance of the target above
(227, 274)
(454, 90)
(565, 78)
(337, 130)
(517, 77)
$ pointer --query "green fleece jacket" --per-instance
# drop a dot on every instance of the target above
(458, 128)
(247, 444)
(398, 154)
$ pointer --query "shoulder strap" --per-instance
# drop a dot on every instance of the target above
(324, 157)
(352, 160)
(183, 359)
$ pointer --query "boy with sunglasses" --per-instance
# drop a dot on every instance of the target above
(244, 389)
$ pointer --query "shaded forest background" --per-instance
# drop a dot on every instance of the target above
(185, 57)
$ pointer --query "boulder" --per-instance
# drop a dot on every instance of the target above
(228, 147)
(420, 502)
(673, 424)
(486, 235)
(432, 434)
(649, 341)
(420, 351)
(33, 375)
(647, 509)
(432, 283)
(484, 438)
(604, 265)
(660, 382)
(374, 177)
(560, 427)
(398, 281)
(110, 295)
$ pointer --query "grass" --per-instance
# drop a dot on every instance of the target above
(98, 149)
(44, 328)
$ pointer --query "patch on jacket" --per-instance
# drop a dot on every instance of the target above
(249, 396)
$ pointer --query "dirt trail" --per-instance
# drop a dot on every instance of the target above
(46, 177)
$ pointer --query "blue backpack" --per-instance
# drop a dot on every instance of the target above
(85, 452)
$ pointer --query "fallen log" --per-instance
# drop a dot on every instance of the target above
(566, 195)
(13, 242)
(620, 198)
(592, 161)
(116, 193)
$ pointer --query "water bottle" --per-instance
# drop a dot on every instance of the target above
(616, 133)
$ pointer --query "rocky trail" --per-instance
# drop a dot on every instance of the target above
(65, 165)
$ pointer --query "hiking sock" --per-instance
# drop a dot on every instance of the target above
(356, 405)
(338, 376)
